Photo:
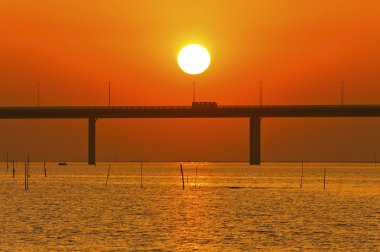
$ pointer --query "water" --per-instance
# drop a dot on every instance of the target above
(234, 206)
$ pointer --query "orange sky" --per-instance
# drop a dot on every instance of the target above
(299, 49)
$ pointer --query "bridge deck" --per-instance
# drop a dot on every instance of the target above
(190, 112)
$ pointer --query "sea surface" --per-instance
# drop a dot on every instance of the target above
(224, 207)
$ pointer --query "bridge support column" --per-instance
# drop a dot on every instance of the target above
(91, 140)
(254, 140)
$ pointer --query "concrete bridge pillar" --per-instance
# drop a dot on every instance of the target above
(254, 140)
(91, 140)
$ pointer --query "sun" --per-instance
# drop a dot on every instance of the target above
(193, 59)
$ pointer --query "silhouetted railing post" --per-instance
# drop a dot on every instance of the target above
(254, 140)
(91, 140)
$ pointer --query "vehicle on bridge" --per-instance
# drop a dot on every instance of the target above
(205, 105)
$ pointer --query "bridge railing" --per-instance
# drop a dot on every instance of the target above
(183, 107)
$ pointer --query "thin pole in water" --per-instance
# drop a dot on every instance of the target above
(301, 176)
(324, 179)
(196, 175)
(13, 168)
(108, 174)
(183, 181)
(141, 168)
(45, 168)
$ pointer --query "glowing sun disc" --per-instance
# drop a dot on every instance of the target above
(193, 59)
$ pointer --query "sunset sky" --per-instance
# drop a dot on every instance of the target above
(300, 50)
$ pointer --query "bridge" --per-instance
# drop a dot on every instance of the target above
(253, 113)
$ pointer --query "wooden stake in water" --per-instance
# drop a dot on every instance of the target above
(45, 168)
(301, 175)
(324, 179)
(196, 175)
(108, 174)
(13, 168)
(183, 181)
(141, 166)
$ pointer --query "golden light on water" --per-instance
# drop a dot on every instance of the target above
(193, 59)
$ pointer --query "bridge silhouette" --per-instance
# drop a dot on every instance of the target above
(253, 113)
